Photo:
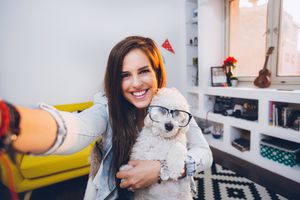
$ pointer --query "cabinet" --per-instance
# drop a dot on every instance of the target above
(254, 131)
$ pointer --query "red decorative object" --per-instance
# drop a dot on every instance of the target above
(229, 65)
(230, 61)
(168, 46)
(4, 118)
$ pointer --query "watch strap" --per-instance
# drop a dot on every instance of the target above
(164, 171)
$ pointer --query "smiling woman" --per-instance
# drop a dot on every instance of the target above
(134, 73)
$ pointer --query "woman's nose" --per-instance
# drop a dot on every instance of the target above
(137, 81)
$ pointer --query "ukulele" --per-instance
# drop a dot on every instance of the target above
(263, 80)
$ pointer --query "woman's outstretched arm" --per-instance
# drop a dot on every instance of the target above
(38, 131)
(49, 131)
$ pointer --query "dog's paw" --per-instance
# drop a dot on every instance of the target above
(176, 170)
(176, 175)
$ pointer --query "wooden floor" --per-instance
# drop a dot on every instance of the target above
(74, 189)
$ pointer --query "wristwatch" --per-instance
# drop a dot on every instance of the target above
(164, 174)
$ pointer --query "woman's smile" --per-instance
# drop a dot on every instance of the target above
(139, 94)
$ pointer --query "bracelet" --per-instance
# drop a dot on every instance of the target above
(15, 118)
(190, 166)
(4, 118)
(9, 128)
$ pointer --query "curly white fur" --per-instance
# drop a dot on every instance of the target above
(157, 143)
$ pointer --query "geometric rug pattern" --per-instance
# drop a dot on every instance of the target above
(219, 183)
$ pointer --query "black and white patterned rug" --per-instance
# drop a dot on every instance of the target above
(219, 183)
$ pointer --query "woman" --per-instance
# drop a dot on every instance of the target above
(134, 73)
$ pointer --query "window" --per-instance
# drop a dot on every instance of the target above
(254, 26)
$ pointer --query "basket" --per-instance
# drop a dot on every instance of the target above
(281, 151)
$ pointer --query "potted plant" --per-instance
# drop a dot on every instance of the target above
(229, 64)
(234, 81)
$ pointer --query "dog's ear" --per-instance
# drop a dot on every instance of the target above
(147, 121)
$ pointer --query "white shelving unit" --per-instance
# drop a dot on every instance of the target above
(200, 95)
(257, 129)
(191, 43)
(191, 27)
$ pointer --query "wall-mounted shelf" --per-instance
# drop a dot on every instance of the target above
(191, 36)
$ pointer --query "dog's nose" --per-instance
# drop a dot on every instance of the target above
(169, 126)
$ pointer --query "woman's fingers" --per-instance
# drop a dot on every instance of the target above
(143, 174)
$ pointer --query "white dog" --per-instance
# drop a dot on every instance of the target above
(164, 138)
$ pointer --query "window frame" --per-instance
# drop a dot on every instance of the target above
(274, 9)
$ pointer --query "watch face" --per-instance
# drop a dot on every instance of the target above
(164, 174)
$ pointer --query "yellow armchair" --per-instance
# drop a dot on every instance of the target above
(32, 172)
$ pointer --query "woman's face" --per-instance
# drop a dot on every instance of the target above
(139, 83)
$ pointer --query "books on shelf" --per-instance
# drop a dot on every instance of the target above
(286, 115)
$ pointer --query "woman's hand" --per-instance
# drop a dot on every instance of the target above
(142, 174)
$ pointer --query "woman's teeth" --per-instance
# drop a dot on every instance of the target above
(139, 94)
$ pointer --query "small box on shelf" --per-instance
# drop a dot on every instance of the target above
(240, 139)
(281, 151)
(241, 144)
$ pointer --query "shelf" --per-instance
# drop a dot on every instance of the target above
(191, 45)
(280, 132)
(272, 94)
(216, 143)
(245, 155)
(232, 92)
(230, 120)
(192, 1)
(193, 23)
(292, 173)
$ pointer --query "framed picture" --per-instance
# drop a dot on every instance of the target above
(218, 76)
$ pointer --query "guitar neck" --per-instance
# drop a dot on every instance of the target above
(266, 62)
(270, 50)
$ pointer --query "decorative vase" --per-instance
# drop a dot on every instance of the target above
(228, 75)
(234, 82)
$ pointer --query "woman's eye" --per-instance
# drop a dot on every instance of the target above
(125, 75)
(145, 71)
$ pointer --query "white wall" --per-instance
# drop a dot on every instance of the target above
(56, 51)
(211, 38)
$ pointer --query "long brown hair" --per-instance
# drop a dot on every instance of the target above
(121, 112)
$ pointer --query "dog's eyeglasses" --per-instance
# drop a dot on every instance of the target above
(156, 114)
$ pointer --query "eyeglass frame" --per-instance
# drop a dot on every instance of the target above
(170, 111)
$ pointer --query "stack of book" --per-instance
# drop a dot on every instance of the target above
(286, 115)
(241, 144)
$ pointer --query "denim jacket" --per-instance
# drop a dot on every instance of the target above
(78, 130)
